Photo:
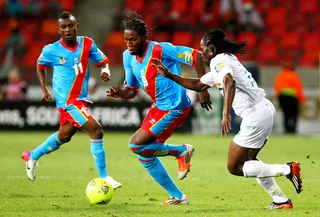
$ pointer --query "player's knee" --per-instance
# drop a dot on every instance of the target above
(232, 168)
(134, 148)
(65, 138)
(97, 133)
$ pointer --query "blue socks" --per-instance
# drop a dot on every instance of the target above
(50, 145)
(99, 156)
(156, 169)
(158, 149)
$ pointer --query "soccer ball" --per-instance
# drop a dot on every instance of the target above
(99, 191)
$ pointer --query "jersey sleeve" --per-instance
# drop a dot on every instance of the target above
(96, 55)
(181, 54)
(130, 80)
(45, 61)
(220, 67)
(208, 79)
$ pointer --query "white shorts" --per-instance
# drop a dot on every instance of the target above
(256, 125)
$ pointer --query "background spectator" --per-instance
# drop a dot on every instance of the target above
(288, 89)
(16, 88)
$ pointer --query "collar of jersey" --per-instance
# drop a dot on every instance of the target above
(73, 49)
(140, 60)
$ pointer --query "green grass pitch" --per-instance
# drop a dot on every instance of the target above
(62, 176)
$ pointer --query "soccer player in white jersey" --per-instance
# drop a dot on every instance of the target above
(241, 92)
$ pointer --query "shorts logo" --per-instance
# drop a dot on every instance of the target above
(152, 121)
(218, 67)
(62, 61)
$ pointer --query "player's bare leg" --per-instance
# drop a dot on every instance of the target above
(243, 162)
(95, 131)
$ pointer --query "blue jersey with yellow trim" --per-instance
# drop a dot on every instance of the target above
(70, 68)
(165, 93)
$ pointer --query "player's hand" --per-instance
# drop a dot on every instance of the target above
(226, 124)
(160, 67)
(114, 92)
(205, 100)
(105, 76)
(46, 96)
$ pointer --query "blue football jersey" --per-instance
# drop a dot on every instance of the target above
(70, 68)
(165, 93)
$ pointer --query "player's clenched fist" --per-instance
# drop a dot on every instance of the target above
(46, 97)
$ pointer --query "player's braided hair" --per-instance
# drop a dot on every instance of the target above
(65, 15)
(134, 21)
(217, 37)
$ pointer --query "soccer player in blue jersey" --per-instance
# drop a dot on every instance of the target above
(170, 107)
(69, 59)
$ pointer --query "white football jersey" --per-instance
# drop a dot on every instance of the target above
(247, 91)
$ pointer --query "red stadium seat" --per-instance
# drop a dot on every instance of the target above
(49, 27)
(310, 58)
(310, 6)
(135, 5)
(197, 6)
(289, 5)
(290, 40)
(67, 5)
(155, 8)
(115, 38)
(268, 53)
(114, 54)
(315, 21)
(182, 38)
(161, 36)
(263, 6)
(250, 37)
(311, 40)
(180, 6)
(276, 17)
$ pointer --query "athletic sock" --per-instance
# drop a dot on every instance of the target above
(48, 146)
(99, 156)
(158, 149)
(156, 169)
(258, 169)
(273, 189)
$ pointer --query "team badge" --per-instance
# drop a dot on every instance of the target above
(62, 61)
(218, 67)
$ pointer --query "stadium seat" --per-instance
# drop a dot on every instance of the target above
(298, 22)
(290, 40)
(67, 5)
(183, 38)
(268, 53)
(311, 40)
(277, 17)
(155, 8)
(263, 6)
(310, 6)
(250, 37)
(288, 5)
(160, 36)
(135, 5)
(115, 38)
(114, 54)
(49, 27)
(197, 7)
(310, 58)
(180, 6)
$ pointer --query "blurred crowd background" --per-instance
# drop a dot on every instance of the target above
(281, 35)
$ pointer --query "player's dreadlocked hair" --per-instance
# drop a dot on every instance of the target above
(222, 44)
(134, 21)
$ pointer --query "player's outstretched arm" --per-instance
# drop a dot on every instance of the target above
(189, 83)
(123, 92)
(42, 75)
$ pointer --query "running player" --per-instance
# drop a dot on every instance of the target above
(170, 107)
(241, 92)
(69, 58)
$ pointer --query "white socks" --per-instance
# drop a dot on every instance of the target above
(273, 189)
(258, 169)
